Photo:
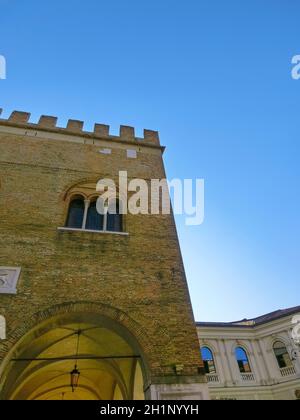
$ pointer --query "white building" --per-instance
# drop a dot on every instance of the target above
(253, 359)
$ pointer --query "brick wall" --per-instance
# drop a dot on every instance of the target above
(140, 275)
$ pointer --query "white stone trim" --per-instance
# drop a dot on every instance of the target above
(9, 277)
(189, 392)
(103, 232)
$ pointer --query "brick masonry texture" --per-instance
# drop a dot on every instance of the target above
(139, 278)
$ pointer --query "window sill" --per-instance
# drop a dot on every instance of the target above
(101, 232)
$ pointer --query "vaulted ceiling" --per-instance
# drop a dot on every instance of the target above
(109, 366)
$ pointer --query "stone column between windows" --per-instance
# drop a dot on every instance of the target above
(86, 209)
(229, 364)
(224, 373)
(261, 352)
(256, 365)
(273, 367)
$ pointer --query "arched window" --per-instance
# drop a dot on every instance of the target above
(94, 220)
(208, 360)
(76, 213)
(242, 360)
(282, 355)
(114, 218)
(83, 214)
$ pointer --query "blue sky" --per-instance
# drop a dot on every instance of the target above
(214, 78)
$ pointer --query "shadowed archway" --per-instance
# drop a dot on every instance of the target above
(110, 359)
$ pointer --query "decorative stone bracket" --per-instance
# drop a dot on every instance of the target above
(9, 277)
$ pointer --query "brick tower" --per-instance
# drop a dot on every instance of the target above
(107, 296)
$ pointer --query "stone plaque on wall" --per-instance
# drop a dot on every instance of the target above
(9, 277)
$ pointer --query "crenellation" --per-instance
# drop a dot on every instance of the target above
(127, 133)
(49, 123)
(101, 130)
(75, 125)
(151, 136)
(19, 117)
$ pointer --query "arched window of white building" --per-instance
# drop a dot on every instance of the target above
(282, 355)
(242, 360)
(208, 360)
